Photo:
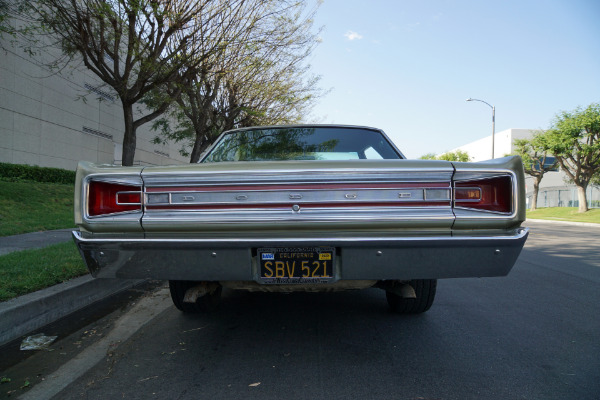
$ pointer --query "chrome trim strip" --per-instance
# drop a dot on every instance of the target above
(129, 192)
(95, 218)
(293, 188)
(357, 241)
(307, 196)
(173, 219)
(354, 176)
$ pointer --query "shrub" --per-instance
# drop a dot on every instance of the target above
(22, 172)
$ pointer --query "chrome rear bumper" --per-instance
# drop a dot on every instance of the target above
(359, 258)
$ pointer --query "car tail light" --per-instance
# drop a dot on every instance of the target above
(490, 194)
(109, 198)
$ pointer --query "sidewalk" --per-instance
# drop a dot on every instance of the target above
(27, 313)
(552, 221)
(34, 240)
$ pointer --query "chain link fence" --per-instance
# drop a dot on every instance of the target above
(564, 197)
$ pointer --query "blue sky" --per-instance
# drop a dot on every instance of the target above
(408, 66)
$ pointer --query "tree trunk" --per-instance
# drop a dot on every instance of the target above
(199, 146)
(582, 196)
(536, 189)
(129, 138)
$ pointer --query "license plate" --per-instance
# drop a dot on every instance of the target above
(296, 265)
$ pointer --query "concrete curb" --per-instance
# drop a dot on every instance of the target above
(551, 221)
(27, 313)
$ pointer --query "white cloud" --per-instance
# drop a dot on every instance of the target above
(412, 27)
(351, 35)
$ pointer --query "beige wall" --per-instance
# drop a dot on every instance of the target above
(481, 149)
(45, 121)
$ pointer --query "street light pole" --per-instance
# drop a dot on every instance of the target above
(493, 120)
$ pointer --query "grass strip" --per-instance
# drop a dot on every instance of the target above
(26, 271)
(34, 206)
(566, 214)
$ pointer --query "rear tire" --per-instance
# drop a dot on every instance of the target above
(205, 303)
(424, 289)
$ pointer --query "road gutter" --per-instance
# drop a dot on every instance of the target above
(125, 327)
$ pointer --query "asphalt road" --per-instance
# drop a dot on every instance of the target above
(532, 335)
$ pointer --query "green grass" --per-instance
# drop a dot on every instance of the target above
(566, 214)
(34, 206)
(26, 271)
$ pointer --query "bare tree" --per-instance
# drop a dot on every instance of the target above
(261, 79)
(136, 46)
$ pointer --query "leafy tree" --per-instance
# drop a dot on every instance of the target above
(137, 46)
(8, 10)
(596, 179)
(574, 139)
(12, 12)
(534, 153)
(457, 155)
(5, 26)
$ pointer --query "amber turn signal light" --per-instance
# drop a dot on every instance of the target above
(489, 194)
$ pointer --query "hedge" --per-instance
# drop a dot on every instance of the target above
(22, 172)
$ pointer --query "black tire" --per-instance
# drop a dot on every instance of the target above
(205, 303)
(425, 291)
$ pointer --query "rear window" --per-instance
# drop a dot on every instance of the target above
(302, 143)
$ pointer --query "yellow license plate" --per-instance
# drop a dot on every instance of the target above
(296, 265)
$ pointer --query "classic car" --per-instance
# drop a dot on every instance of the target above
(302, 208)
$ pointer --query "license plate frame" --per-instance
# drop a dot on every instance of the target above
(296, 265)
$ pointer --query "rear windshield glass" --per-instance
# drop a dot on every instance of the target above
(302, 143)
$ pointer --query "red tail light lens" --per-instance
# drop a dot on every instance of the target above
(109, 198)
(491, 194)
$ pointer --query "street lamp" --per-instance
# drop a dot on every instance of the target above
(493, 120)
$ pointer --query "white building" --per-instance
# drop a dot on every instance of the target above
(55, 120)
(554, 191)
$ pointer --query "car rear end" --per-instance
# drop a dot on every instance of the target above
(398, 219)
(310, 208)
